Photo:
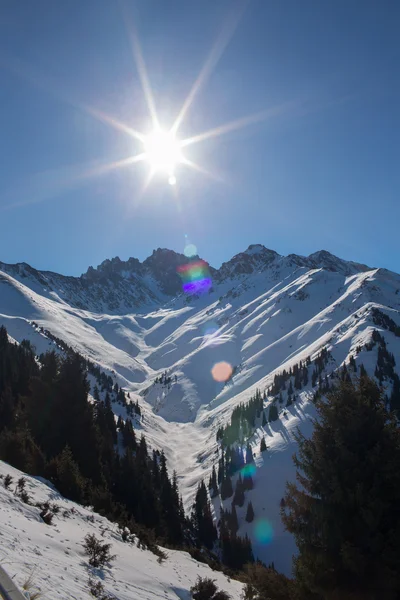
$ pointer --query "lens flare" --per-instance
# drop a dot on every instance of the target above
(190, 250)
(249, 470)
(263, 531)
(210, 328)
(195, 277)
(221, 371)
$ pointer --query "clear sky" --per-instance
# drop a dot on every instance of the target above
(320, 171)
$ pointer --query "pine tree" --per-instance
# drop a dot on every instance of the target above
(395, 395)
(248, 482)
(273, 413)
(345, 516)
(264, 419)
(68, 477)
(202, 518)
(249, 513)
(263, 445)
(238, 497)
(213, 485)
(233, 520)
(226, 488)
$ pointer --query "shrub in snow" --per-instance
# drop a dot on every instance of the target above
(96, 589)
(47, 516)
(205, 589)
(97, 551)
(7, 481)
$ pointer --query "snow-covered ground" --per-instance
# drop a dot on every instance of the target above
(53, 557)
(264, 313)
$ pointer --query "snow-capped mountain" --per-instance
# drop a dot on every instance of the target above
(262, 313)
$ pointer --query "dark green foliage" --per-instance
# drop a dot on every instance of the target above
(236, 551)
(263, 445)
(345, 516)
(202, 519)
(238, 497)
(48, 428)
(213, 484)
(7, 481)
(352, 363)
(18, 448)
(264, 583)
(243, 420)
(205, 589)
(249, 513)
(67, 476)
(247, 482)
(395, 395)
(226, 488)
(382, 320)
(98, 552)
(273, 413)
(264, 419)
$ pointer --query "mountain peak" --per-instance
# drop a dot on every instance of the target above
(256, 258)
(326, 260)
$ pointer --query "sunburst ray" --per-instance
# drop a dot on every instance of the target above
(238, 124)
(202, 170)
(141, 67)
(214, 56)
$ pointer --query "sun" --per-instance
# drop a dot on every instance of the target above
(163, 152)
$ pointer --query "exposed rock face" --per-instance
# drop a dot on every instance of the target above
(123, 285)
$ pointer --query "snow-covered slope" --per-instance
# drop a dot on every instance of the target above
(262, 314)
(53, 558)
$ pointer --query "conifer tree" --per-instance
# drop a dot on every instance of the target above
(226, 488)
(247, 482)
(202, 518)
(264, 419)
(233, 520)
(213, 485)
(238, 497)
(263, 445)
(249, 513)
(273, 413)
(68, 477)
(345, 516)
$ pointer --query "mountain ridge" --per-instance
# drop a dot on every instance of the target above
(122, 285)
(263, 315)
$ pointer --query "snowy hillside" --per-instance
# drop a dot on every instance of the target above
(262, 313)
(53, 558)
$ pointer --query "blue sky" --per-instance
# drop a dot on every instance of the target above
(323, 173)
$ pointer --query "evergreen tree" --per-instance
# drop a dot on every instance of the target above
(273, 413)
(345, 516)
(68, 477)
(202, 518)
(213, 485)
(247, 482)
(249, 513)
(233, 519)
(263, 445)
(395, 395)
(226, 488)
(19, 449)
(264, 419)
(238, 497)
(249, 454)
